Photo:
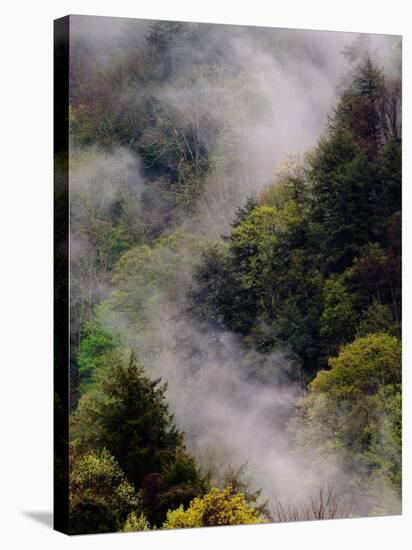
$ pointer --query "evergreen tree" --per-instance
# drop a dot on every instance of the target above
(126, 413)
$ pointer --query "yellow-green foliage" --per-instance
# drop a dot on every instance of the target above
(258, 225)
(254, 239)
(274, 196)
(98, 476)
(100, 495)
(361, 368)
(136, 522)
(145, 275)
(218, 507)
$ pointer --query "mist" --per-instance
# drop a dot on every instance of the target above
(271, 97)
(266, 102)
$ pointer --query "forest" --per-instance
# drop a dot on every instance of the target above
(235, 275)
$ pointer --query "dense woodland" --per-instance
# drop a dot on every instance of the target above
(198, 289)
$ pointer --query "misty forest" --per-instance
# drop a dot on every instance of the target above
(235, 275)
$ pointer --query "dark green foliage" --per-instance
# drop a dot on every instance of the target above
(338, 319)
(343, 180)
(89, 516)
(125, 413)
(221, 296)
(358, 110)
(317, 259)
(387, 196)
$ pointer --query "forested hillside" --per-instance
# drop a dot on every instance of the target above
(235, 214)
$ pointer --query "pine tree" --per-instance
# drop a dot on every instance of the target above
(125, 412)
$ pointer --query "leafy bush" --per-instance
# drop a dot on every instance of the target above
(218, 507)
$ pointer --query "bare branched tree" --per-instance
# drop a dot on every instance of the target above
(324, 504)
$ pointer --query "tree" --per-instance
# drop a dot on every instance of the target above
(359, 109)
(337, 322)
(361, 368)
(103, 203)
(135, 522)
(220, 295)
(218, 507)
(387, 196)
(384, 432)
(161, 42)
(377, 318)
(375, 278)
(234, 479)
(100, 495)
(92, 348)
(343, 180)
(273, 259)
(369, 274)
(252, 239)
(352, 416)
(125, 412)
(324, 504)
(355, 170)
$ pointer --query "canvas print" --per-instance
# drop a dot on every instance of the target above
(227, 275)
